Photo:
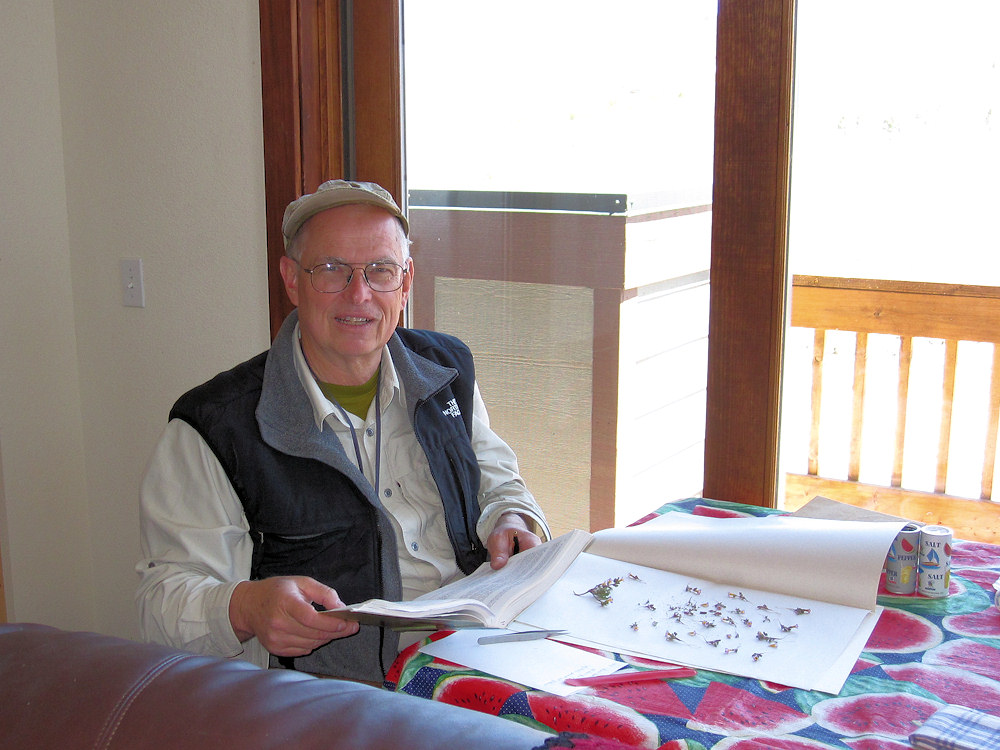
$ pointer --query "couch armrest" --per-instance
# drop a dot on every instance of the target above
(64, 689)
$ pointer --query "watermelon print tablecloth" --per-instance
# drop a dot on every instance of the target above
(923, 654)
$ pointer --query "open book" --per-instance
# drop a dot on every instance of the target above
(485, 599)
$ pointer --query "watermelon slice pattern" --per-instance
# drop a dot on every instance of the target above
(729, 711)
(957, 686)
(786, 742)
(892, 715)
(876, 743)
(924, 653)
(902, 632)
(983, 577)
(982, 624)
(973, 656)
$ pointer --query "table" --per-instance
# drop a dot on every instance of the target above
(923, 654)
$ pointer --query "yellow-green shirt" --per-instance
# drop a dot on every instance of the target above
(354, 398)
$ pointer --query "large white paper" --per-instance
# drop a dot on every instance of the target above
(649, 615)
(832, 681)
(833, 561)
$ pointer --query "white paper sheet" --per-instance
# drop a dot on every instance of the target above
(641, 615)
(541, 664)
(834, 561)
(832, 681)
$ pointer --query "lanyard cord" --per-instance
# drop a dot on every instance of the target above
(354, 435)
(378, 432)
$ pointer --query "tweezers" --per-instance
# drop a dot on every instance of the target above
(527, 635)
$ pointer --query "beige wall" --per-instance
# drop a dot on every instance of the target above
(127, 130)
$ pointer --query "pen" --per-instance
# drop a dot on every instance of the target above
(516, 546)
(649, 674)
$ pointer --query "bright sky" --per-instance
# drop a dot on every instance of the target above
(896, 157)
(559, 95)
(896, 162)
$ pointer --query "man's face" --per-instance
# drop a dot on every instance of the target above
(343, 333)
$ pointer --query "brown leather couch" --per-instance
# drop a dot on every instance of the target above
(67, 690)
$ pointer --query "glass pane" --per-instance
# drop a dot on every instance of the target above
(559, 169)
(895, 164)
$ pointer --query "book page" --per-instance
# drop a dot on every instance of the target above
(486, 598)
(407, 616)
(508, 590)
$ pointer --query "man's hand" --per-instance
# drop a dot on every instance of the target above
(279, 611)
(510, 527)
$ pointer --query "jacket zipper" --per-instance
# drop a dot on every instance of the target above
(470, 532)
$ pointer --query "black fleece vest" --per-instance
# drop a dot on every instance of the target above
(307, 518)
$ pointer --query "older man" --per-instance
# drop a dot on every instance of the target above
(349, 461)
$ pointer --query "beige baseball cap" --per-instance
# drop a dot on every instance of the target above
(334, 193)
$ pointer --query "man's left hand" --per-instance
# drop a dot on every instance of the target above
(510, 527)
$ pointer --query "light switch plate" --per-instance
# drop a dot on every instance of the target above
(133, 293)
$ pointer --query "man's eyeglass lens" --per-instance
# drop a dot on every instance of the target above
(336, 277)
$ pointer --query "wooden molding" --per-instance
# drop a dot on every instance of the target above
(378, 93)
(282, 135)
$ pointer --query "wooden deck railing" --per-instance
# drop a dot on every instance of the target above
(907, 311)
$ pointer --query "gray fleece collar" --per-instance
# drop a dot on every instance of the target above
(285, 415)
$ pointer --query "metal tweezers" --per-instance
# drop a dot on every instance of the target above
(527, 635)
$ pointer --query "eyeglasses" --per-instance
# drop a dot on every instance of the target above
(330, 278)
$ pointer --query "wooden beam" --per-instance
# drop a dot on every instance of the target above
(895, 285)
(858, 405)
(947, 401)
(755, 44)
(902, 400)
(990, 457)
(902, 309)
(816, 402)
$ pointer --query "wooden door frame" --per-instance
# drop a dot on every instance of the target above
(303, 134)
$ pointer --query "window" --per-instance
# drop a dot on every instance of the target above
(302, 75)
(559, 169)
